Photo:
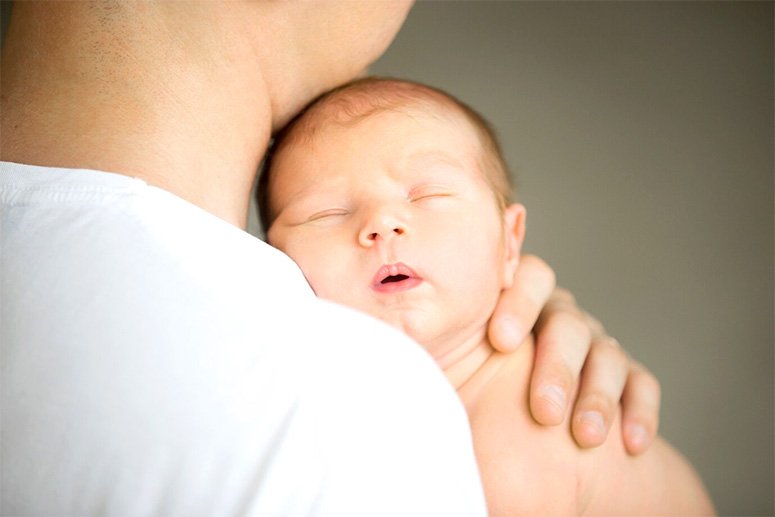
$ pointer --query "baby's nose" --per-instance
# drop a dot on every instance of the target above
(374, 235)
(381, 227)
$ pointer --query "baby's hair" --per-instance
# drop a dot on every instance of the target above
(361, 98)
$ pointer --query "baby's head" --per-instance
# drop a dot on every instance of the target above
(354, 101)
(392, 198)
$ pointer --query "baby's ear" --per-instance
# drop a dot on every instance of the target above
(514, 235)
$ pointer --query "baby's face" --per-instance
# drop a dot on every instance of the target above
(393, 216)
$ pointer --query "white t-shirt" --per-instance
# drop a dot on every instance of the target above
(157, 360)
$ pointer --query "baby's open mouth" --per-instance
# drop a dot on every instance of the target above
(392, 278)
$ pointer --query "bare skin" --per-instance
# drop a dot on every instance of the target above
(125, 96)
(374, 210)
(186, 97)
(533, 470)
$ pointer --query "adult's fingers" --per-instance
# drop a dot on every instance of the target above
(562, 343)
(575, 355)
(602, 383)
(519, 307)
(640, 409)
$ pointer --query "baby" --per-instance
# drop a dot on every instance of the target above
(393, 199)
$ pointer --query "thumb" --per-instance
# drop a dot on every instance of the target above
(519, 306)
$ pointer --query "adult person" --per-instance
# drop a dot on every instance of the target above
(148, 365)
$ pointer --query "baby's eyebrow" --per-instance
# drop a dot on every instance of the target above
(426, 158)
(310, 198)
(311, 189)
(434, 166)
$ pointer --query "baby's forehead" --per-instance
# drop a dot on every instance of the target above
(365, 98)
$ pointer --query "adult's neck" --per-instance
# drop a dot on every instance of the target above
(172, 93)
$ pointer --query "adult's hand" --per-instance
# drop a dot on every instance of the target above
(575, 355)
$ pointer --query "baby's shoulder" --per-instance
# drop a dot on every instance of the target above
(531, 469)
(525, 467)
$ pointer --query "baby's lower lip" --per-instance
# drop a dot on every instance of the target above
(395, 287)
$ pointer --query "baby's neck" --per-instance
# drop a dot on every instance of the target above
(462, 362)
(475, 368)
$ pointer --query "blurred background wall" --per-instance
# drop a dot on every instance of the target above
(641, 138)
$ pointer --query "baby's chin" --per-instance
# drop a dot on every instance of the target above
(415, 320)
(417, 325)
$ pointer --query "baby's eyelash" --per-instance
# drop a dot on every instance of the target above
(426, 196)
(428, 193)
(331, 212)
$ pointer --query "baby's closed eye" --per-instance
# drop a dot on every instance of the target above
(327, 215)
(429, 193)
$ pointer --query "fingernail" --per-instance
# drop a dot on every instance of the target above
(554, 394)
(593, 419)
(637, 434)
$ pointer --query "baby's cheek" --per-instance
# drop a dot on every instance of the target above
(327, 282)
(491, 266)
(317, 278)
(309, 261)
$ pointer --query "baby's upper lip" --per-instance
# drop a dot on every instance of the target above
(393, 273)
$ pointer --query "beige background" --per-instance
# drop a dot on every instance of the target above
(642, 138)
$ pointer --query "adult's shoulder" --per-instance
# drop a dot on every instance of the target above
(159, 360)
